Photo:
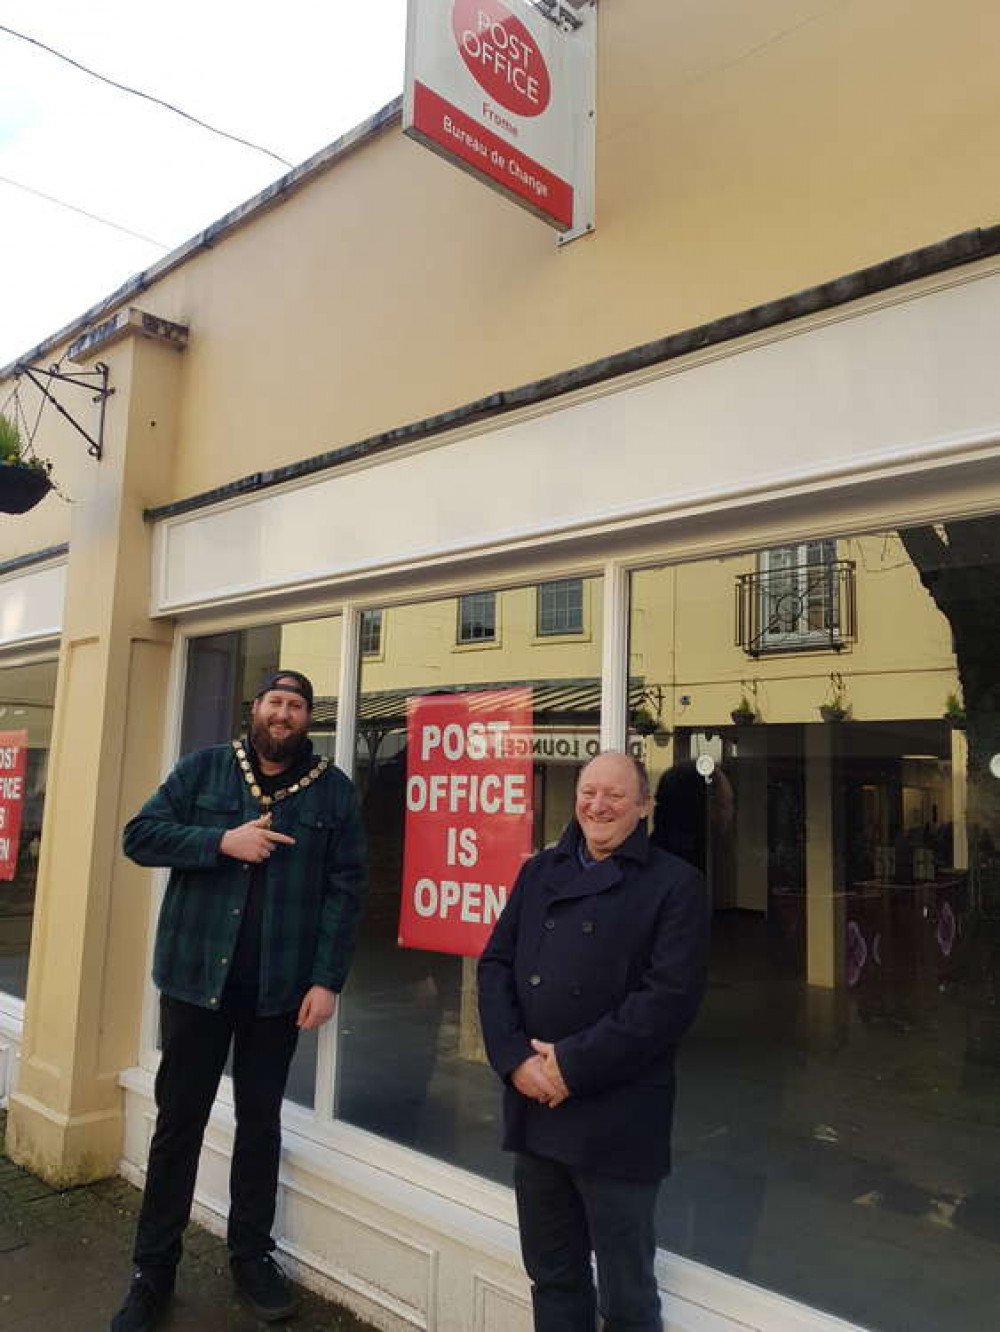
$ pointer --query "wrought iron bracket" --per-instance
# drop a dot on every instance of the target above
(95, 381)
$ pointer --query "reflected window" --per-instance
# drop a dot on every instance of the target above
(477, 617)
(801, 598)
(451, 815)
(371, 633)
(846, 1062)
(797, 590)
(560, 607)
(224, 672)
(27, 698)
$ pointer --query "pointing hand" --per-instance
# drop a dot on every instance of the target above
(253, 842)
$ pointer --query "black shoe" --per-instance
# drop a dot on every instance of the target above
(145, 1304)
(265, 1287)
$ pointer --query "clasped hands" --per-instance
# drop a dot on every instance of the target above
(540, 1078)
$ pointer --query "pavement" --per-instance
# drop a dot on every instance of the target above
(64, 1264)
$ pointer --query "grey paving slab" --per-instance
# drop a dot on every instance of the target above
(64, 1265)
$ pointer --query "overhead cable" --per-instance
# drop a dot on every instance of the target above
(148, 97)
(94, 217)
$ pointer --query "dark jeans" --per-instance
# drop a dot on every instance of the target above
(195, 1043)
(565, 1213)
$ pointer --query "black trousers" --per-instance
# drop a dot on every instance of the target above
(195, 1045)
(564, 1214)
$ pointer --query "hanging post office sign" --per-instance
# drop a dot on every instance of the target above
(13, 774)
(505, 89)
(469, 815)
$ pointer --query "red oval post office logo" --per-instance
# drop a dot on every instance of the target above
(502, 56)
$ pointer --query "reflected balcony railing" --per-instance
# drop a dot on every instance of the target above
(798, 608)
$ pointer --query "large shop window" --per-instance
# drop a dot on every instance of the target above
(223, 674)
(27, 696)
(466, 763)
(838, 1132)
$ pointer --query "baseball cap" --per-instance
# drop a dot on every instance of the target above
(290, 682)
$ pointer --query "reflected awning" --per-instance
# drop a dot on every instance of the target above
(556, 702)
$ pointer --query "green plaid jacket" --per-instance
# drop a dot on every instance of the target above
(313, 890)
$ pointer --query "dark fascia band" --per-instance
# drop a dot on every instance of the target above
(965, 248)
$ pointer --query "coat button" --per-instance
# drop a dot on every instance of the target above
(550, 924)
(535, 979)
(245, 865)
(223, 961)
(588, 927)
(214, 1003)
(576, 991)
(236, 911)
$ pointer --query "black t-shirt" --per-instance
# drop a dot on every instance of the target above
(244, 974)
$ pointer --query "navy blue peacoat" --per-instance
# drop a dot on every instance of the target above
(608, 962)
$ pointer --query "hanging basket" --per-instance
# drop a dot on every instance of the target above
(21, 488)
(832, 712)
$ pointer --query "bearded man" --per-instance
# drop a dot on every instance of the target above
(266, 852)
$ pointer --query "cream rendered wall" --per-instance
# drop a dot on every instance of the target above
(744, 151)
(86, 979)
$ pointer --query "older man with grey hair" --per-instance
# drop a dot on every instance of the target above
(593, 973)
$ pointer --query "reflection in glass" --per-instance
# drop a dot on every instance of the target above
(837, 1136)
(477, 617)
(224, 672)
(411, 1065)
(371, 633)
(27, 697)
(560, 607)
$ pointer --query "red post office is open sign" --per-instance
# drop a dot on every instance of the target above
(502, 56)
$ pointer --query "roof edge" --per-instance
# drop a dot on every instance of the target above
(954, 252)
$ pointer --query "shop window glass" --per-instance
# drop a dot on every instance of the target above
(477, 617)
(560, 607)
(411, 1065)
(223, 674)
(837, 1136)
(27, 696)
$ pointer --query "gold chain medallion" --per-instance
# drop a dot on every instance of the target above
(266, 801)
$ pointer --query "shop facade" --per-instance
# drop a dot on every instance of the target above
(771, 538)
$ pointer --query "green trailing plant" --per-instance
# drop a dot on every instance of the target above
(10, 440)
(744, 713)
(25, 479)
(14, 452)
(954, 712)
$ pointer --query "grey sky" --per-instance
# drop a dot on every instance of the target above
(291, 77)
